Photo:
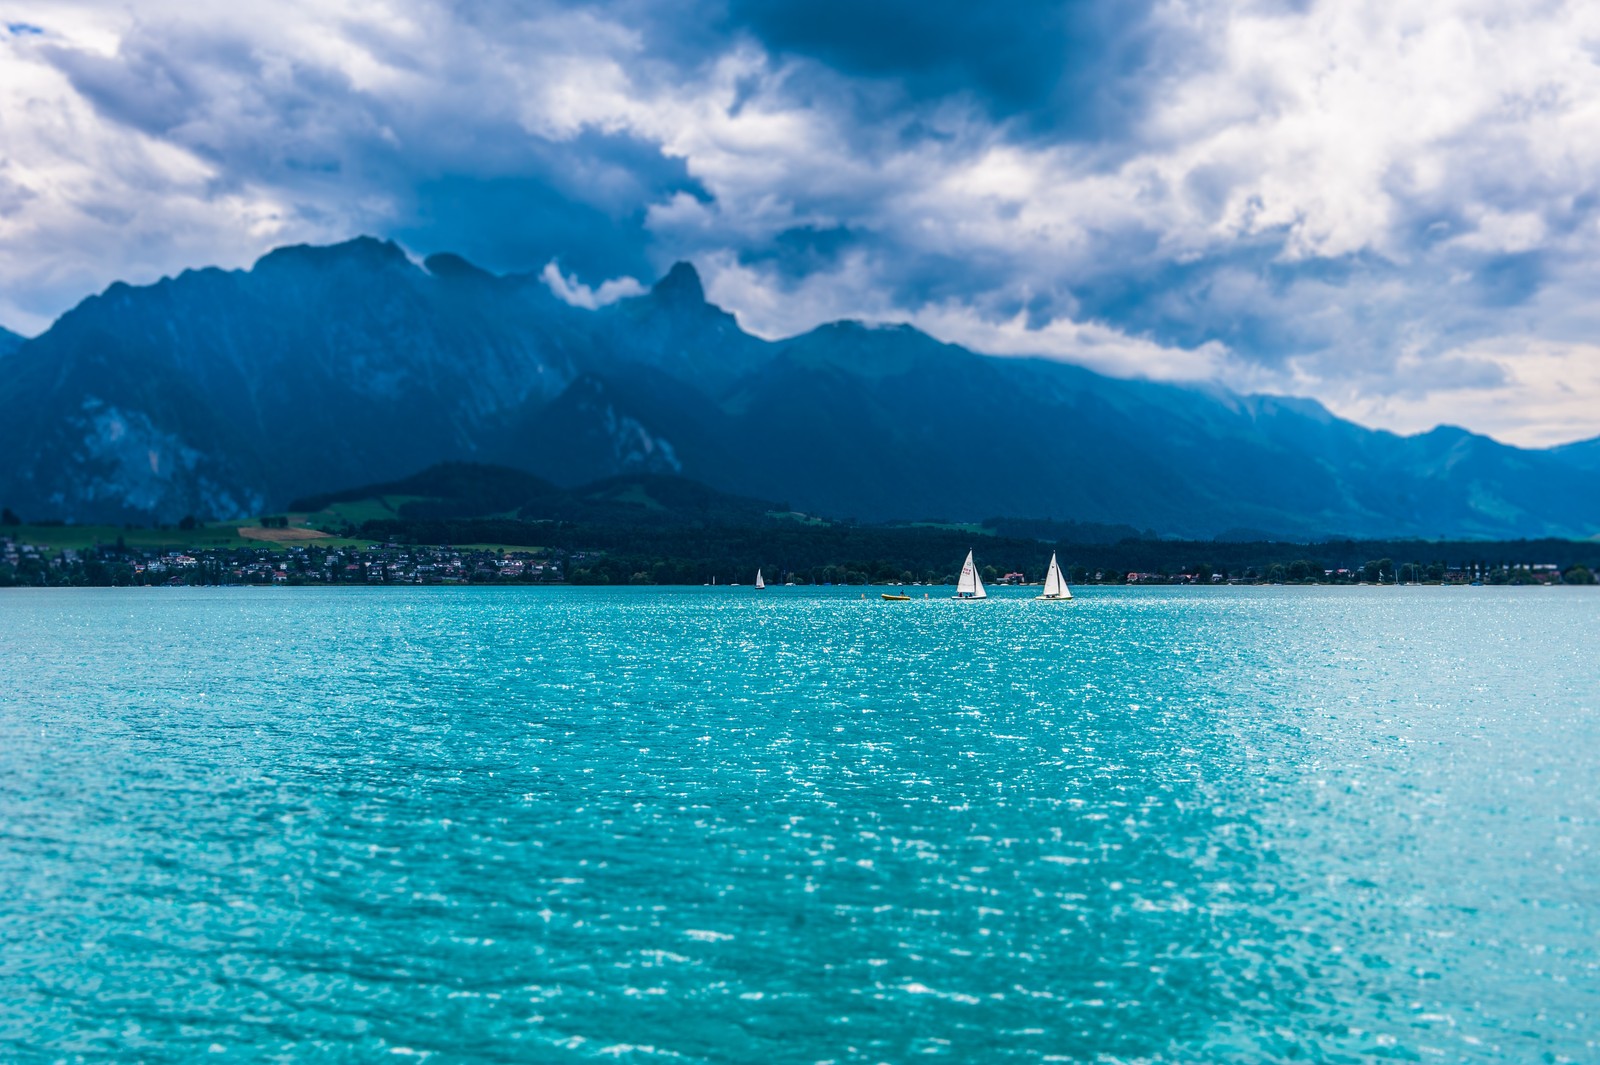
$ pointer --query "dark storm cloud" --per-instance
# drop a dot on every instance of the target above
(479, 184)
(800, 252)
(1072, 69)
(465, 176)
(582, 202)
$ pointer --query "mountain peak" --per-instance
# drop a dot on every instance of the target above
(367, 252)
(681, 285)
(449, 265)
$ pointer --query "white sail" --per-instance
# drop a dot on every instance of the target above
(970, 586)
(759, 582)
(1054, 586)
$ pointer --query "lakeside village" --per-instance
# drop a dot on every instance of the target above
(32, 565)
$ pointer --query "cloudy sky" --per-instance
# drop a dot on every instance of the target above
(1392, 206)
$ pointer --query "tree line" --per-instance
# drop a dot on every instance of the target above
(840, 553)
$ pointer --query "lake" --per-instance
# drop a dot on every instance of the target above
(716, 825)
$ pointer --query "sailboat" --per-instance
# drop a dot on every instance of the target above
(969, 586)
(1055, 589)
(760, 584)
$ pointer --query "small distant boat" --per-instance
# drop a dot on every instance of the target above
(969, 586)
(1055, 589)
(760, 584)
(897, 597)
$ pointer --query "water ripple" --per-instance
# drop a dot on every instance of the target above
(709, 826)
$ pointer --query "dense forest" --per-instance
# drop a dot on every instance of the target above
(668, 530)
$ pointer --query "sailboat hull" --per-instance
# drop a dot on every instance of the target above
(1052, 599)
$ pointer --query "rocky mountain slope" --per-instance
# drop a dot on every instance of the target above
(230, 392)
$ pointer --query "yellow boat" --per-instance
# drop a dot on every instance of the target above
(894, 598)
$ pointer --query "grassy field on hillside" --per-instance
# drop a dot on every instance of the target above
(354, 512)
(215, 536)
(78, 537)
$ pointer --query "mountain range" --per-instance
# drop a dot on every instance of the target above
(227, 393)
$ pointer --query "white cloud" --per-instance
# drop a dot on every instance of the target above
(572, 291)
(1543, 394)
(848, 292)
(1099, 347)
(97, 199)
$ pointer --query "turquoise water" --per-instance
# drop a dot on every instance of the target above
(709, 825)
